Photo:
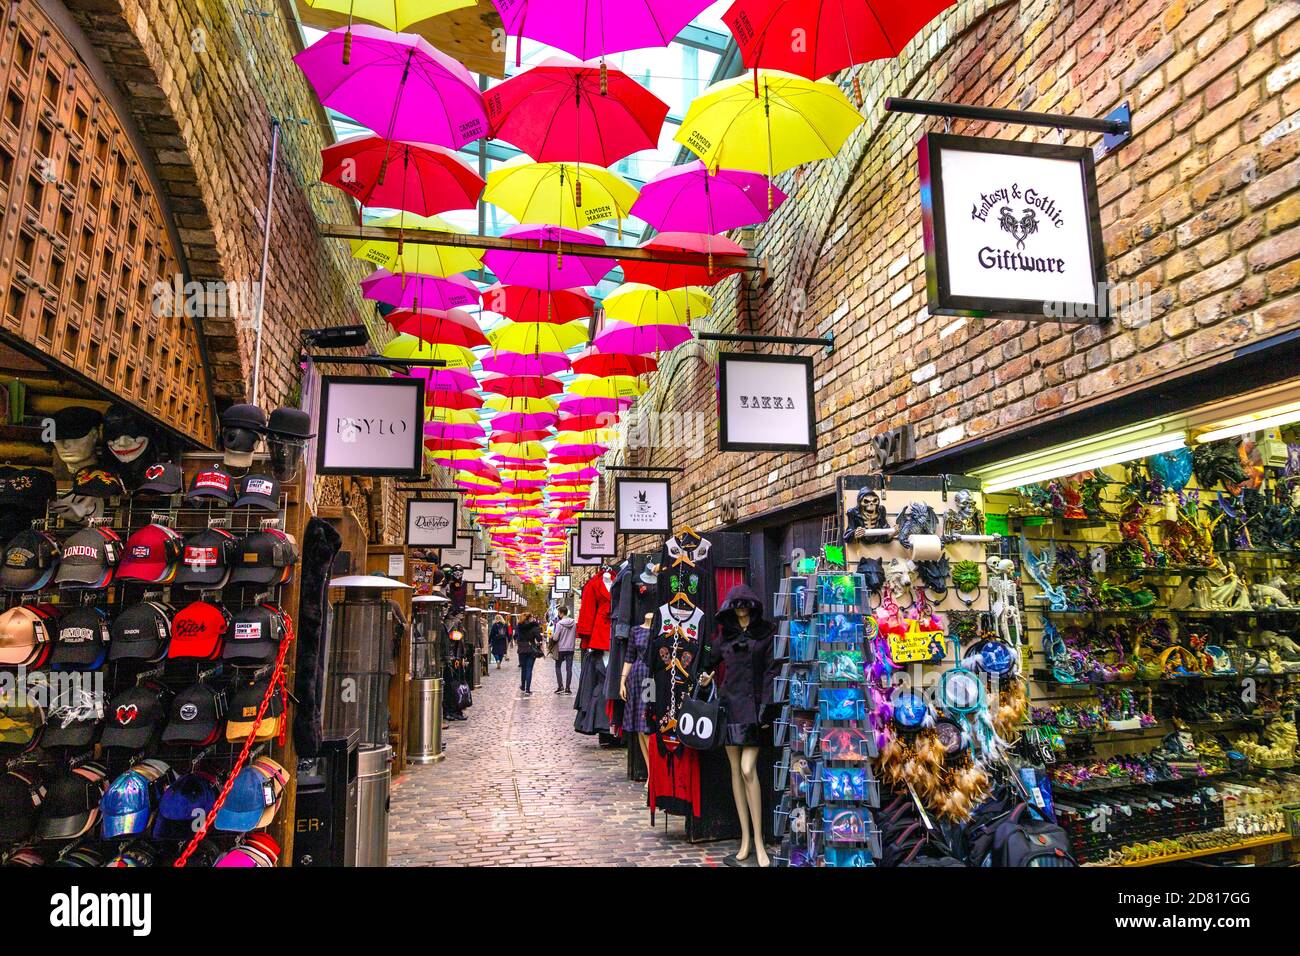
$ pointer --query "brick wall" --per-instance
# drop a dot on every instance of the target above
(1201, 207)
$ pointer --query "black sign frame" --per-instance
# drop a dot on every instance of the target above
(416, 385)
(455, 519)
(725, 443)
(619, 484)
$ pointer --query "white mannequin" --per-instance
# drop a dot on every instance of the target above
(78, 453)
(643, 740)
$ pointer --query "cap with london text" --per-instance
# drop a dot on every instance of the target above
(140, 633)
(88, 558)
(255, 635)
(82, 644)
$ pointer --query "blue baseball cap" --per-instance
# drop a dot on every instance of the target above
(127, 806)
(253, 793)
(188, 800)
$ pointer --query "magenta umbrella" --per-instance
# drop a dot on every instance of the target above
(592, 28)
(514, 363)
(544, 270)
(524, 421)
(396, 84)
(689, 198)
(414, 291)
(443, 430)
(580, 405)
(567, 454)
(445, 379)
(641, 339)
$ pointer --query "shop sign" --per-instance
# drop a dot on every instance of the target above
(563, 582)
(370, 427)
(431, 524)
(643, 505)
(576, 560)
(461, 553)
(765, 403)
(596, 538)
(1011, 228)
(475, 572)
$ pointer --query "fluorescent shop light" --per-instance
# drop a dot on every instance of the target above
(1267, 418)
(1110, 448)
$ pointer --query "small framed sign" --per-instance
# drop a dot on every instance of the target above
(575, 560)
(563, 582)
(643, 505)
(596, 538)
(431, 524)
(765, 403)
(1012, 228)
(371, 427)
(461, 553)
(476, 571)
(489, 578)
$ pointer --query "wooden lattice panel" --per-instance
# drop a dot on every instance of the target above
(83, 242)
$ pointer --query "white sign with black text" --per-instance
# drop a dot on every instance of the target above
(461, 553)
(431, 524)
(563, 582)
(765, 403)
(643, 505)
(370, 426)
(596, 538)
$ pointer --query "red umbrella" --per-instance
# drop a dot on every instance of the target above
(666, 275)
(453, 327)
(459, 400)
(603, 365)
(536, 305)
(417, 177)
(451, 444)
(835, 34)
(517, 386)
(582, 423)
(517, 437)
(564, 112)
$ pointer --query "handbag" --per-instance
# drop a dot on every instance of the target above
(700, 723)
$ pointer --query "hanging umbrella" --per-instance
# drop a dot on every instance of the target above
(452, 444)
(590, 362)
(445, 379)
(596, 28)
(668, 275)
(641, 340)
(577, 405)
(524, 421)
(396, 84)
(452, 416)
(543, 270)
(691, 198)
(568, 437)
(582, 423)
(577, 454)
(558, 194)
(409, 347)
(438, 328)
(391, 14)
(517, 364)
(640, 305)
(524, 406)
(779, 122)
(837, 34)
(537, 338)
(535, 434)
(417, 177)
(410, 290)
(516, 386)
(615, 386)
(532, 450)
(436, 398)
(434, 429)
(523, 304)
(396, 255)
(561, 112)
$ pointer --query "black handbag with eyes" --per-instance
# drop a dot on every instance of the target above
(700, 723)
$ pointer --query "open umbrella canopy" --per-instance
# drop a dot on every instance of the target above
(392, 14)
(590, 362)
(532, 450)
(693, 198)
(582, 423)
(536, 434)
(790, 121)
(515, 363)
(559, 194)
(517, 386)
(409, 347)
(396, 84)
(447, 430)
(537, 337)
(564, 112)
(525, 406)
(452, 444)
(438, 328)
(436, 398)
(578, 405)
(637, 304)
(452, 416)
(523, 304)
(525, 421)
(399, 257)
(592, 28)
(669, 275)
(545, 270)
(417, 177)
(614, 386)
(445, 379)
(642, 339)
(410, 290)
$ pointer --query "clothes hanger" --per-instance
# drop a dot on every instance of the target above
(680, 597)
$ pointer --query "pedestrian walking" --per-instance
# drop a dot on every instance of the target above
(528, 643)
(498, 636)
(565, 635)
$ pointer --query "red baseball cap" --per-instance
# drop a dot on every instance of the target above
(150, 555)
(198, 630)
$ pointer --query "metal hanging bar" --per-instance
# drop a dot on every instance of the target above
(826, 341)
(1111, 126)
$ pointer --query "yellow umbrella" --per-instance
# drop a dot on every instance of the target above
(397, 256)
(410, 347)
(533, 338)
(451, 416)
(769, 124)
(459, 454)
(395, 15)
(592, 436)
(522, 405)
(522, 450)
(559, 194)
(614, 386)
(638, 304)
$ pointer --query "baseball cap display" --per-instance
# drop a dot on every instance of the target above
(25, 488)
(197, 631)
(30, 561)
(255, 634)
(195, 717)
(95, 482)
(150, 555)
(260, 491)
(20, 725)
(140, 633)
(259, 850)
(184, 804)
(265, 557)
(71, 806)
(132, 718)
(213, 482)
(163, 478)
(21, 796)
(207, 559)
(128, 805)
(82, 644)
(245, 700)
(75, 715)
(88, 558)
(254, 797)
(25, 635)
(139, 853)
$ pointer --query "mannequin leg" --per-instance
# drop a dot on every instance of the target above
(644, 741)
(754, 799)
(735, 758)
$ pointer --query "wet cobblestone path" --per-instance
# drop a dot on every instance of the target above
(519, 788)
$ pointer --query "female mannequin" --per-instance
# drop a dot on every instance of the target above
(631, 687)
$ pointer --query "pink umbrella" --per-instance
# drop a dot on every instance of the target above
(445, 379)
(513, 363)
(592, 28)
(542, 270)
(667, 275)
(641, 339)
(689, 198)
(477, 466)
(396, 84)
(578, 405)
(440, 430)
(571, 454)
(521, 422)
(415, 291)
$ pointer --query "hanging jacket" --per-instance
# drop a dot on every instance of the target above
(593, 618)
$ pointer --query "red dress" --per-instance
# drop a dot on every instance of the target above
(593, 618)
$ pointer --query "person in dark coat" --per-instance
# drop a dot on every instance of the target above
(498, 636)
(528, 642)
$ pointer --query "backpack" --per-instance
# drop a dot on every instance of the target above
(1023, 838)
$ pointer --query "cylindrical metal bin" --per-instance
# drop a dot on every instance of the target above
(424, 721)
(374, 772)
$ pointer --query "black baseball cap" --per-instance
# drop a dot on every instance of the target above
(74, 717)
(26, 488)
(132, 718)
(71, 806)
(207, 559)
(254, 636)
(140, 633)
(195, 717)
(214, 482)
(30, 560)
(96, 482)
(265, 557)
(21, 794)
(162, 478)
(245, 701)
(259, 491)
(88, 558)
(82, 640)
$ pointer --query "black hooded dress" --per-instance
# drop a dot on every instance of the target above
(745, 654)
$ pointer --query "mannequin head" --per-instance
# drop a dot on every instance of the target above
(242, 427)
(126, 437)
(287, 433)
(76, 436)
